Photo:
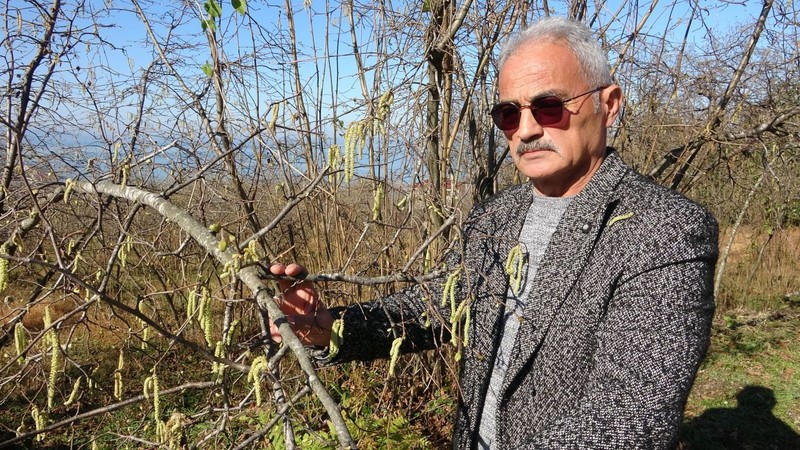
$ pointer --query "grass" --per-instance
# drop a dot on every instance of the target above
(747, 394)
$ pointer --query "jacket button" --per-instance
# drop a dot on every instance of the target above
(586, 227)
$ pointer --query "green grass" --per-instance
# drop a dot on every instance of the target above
(747, 394)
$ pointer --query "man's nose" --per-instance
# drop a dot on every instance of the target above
(528, 128)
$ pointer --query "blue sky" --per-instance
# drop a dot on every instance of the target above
(126, 31)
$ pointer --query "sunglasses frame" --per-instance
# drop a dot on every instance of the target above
(532, 106)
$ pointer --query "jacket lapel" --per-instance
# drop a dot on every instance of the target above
(498, 238)
(564, 260)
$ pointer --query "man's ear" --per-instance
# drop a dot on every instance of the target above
(611, 98)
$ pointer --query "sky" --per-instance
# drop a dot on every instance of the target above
(127, 32)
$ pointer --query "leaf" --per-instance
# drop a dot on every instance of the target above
(208, 24)
(213, 8)
(239, 5)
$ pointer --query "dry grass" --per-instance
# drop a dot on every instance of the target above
(761, 268)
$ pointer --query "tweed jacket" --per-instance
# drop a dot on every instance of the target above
(616, 325)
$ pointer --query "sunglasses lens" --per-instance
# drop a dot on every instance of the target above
(548, 110)
(506, 116)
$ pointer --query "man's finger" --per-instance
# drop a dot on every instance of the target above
(296, 270)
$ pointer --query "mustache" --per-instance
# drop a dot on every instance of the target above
(528, 146)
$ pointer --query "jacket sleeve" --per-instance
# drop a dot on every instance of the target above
(650, 344)
(416, 314)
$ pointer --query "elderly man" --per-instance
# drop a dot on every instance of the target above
(589, 289)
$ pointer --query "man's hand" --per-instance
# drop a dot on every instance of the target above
(308, 317)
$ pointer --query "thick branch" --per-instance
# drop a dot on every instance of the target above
(249, 275)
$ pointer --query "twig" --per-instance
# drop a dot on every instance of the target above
(286, 209)
(104, 410)
(249, 275)
(278, 416)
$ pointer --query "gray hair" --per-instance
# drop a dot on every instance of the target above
(592, 60)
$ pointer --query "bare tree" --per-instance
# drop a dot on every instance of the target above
(156, 156)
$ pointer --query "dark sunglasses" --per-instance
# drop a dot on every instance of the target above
(547, 111)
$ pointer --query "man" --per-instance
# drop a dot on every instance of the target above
(589, 290)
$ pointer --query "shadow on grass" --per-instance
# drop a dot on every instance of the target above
(749, 426)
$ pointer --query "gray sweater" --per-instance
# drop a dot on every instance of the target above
(606, 356)
(540, 224)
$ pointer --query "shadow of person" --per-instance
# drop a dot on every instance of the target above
(749, 426)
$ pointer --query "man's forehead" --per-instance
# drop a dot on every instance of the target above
(538, 69)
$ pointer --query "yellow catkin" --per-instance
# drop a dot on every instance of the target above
(382, 112)
(161, 431)
(334, 160)
(510, 259)
(354, 139)
(118, 385)
(3, 268)
(201, 304)
(385, 104)
(362, 138)
(274, 120)
(449, 291)
(156, 397)
(76, 262)
(20, 341)
(455, 319)
(47, 320)
(125, 250)
(69, 184)
(55, 364)
(126, 168)
(258, 366)
(145, 335)
(336, 338)
(251, 252)
(428, 260)
(39, 420)
(204, 316)
(151, 390)
(118, 375)
(235, 266)
(467, 321)
(233, 332)
(377, 202)
(191, 304)
(123, 257)
(394, 354)
(174, 432)
(217, 369)
(401, 204)
(147, 387)
(51, 339)
(207, 323)
(349, 165)
(515, 263)
(76, 388)
(231, 268)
